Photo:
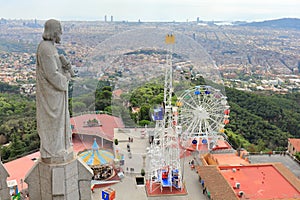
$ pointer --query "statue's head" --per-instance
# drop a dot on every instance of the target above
(52, 31)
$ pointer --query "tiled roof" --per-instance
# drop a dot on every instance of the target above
(106, 130)
(18, 168)
(117, 93)
(215, 183)
(221, 144)
(229, 159)
(296, 143)
(278, 180)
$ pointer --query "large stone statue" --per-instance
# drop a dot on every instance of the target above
(53, 120)
(59, 174)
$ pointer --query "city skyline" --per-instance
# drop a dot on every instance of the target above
(151, 10)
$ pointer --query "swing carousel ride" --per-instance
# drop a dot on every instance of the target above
(100, 161)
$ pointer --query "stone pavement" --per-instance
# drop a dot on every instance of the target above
(127, 188)
(134, 161)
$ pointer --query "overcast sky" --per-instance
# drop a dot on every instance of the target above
(150, 10)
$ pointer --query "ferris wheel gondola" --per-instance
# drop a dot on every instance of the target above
(203, 112)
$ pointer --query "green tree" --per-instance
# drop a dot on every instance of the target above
(6, 88)
(17, 146)
(297, 155)
(103, 98)
(142, 123)
(79, 107)
(144, 113)
(17, 125)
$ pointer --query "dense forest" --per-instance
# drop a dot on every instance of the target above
(18, 133)
(263, 120)
(258, 122)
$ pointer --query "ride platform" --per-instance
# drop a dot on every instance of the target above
(166, 191)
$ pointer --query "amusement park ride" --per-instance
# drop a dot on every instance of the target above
(203, 114)
(164, 152)
(197, 119)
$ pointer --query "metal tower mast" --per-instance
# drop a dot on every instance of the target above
(165, 151)
(169, 137)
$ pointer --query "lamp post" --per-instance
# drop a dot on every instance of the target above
(144, 160)
(21, 181)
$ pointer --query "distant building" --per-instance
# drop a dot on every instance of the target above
(135, 109)
(293, 145)
(117, 93)
(3, 21)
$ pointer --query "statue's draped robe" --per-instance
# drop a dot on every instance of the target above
(53, 120)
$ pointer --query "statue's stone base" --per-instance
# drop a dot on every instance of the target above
(66, 181)
(67, 157)
(4, 190)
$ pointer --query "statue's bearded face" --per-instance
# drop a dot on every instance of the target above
(57, 36)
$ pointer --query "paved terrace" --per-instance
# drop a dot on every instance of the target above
(127, 188)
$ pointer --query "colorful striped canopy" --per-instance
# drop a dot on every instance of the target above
(95, 156)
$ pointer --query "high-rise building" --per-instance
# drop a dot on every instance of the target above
(111, 18)
(105, 18)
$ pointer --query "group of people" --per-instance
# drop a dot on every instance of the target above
(165, 173)
(102, 173)
(192, 164)
(130, 139)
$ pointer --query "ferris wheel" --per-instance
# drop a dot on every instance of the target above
(202, 114)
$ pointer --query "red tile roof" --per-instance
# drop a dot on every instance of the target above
(296, 143)
(117, 93)
(229, 159)
(18, 168)
(84, 142)
(259, 181)
(221, 144)
(106, 130)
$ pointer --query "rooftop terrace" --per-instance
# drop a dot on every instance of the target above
(259, 182)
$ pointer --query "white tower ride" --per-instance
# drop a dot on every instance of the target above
(164, 166)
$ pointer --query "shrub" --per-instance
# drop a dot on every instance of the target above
(116, 142)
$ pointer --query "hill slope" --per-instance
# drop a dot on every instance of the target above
(285, 23)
